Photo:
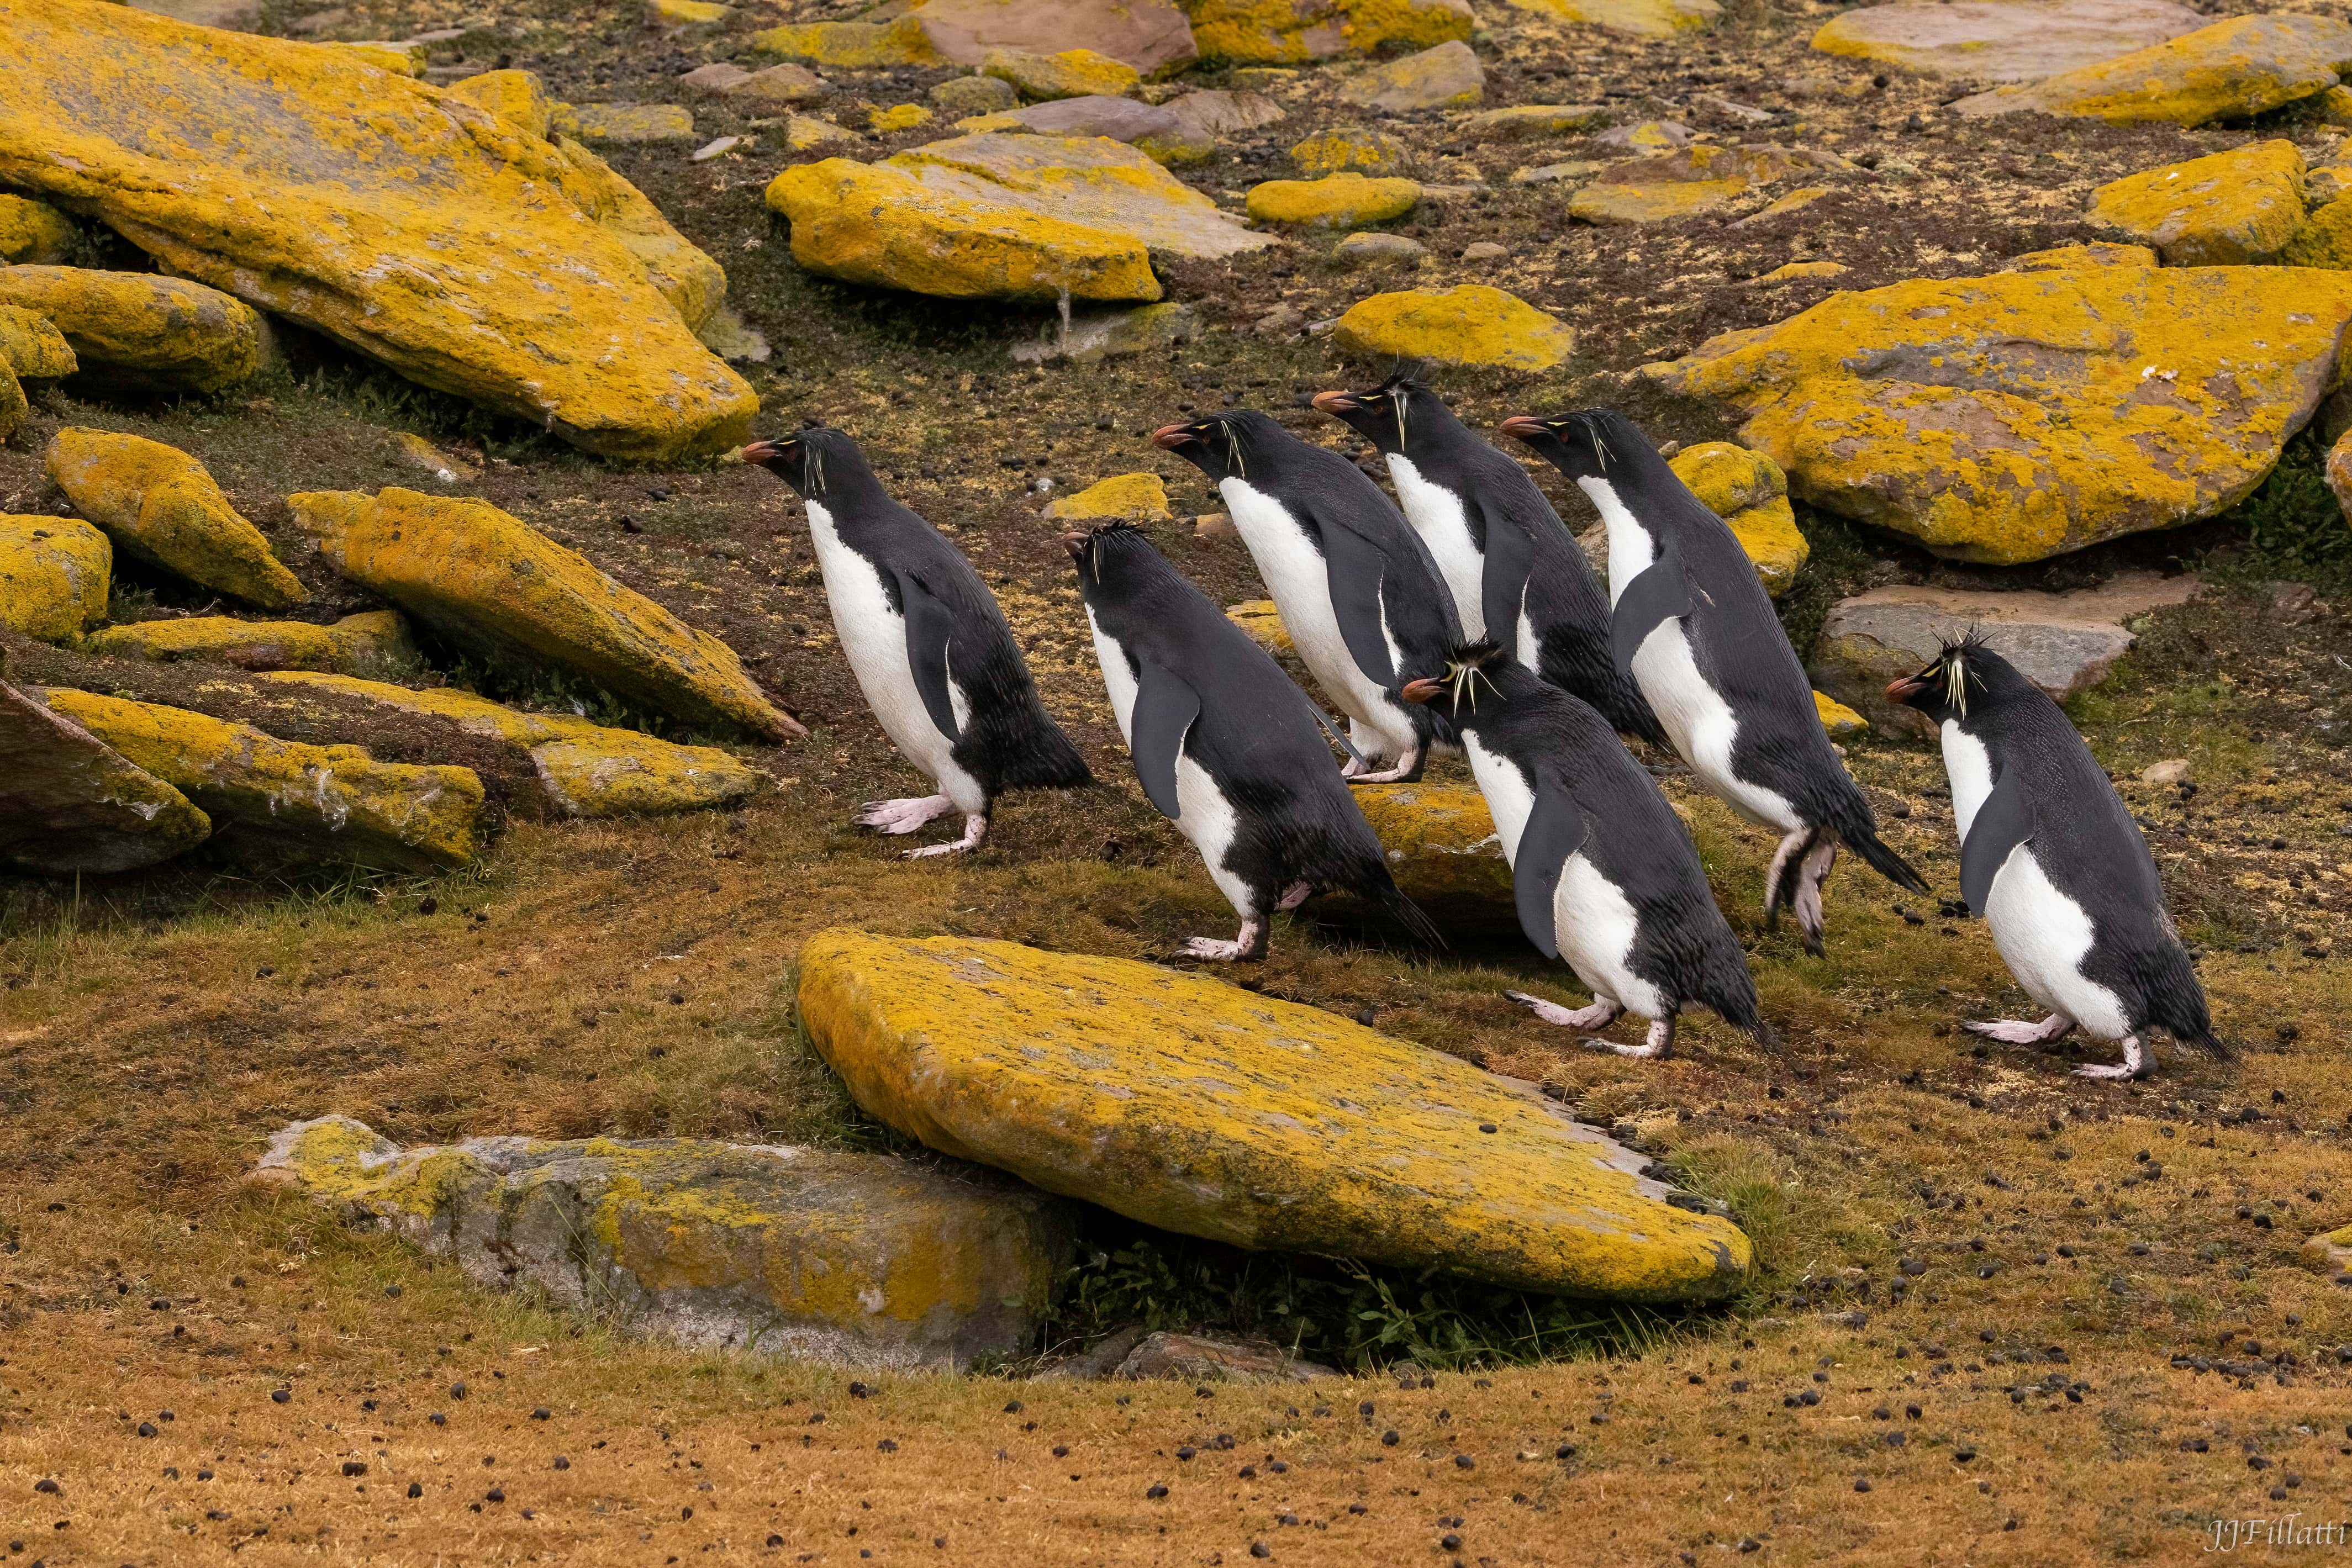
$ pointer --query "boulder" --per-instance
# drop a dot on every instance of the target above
(1440, 840)
(1748, 491)
(1072, 73)
(1351, 148)
(853, 45)
(631, 122)
(1648, 136)
(371, 641)
(1151, 36)
(1137, 497)
(2063, 643)
(160, 505)
(1446, 77)
(688, 13)
(283, 802)
(1364, 249)
(1090, 335)
(1794, 271)
(787, 86)
(855, 1260)
(2014, 417)
(806, 133)
(1337, 201)
(584, 770)
(411, 451)
(467, 263)
(139, 330)
(890, 121)
(1156, 131)
(500, 588)
(2339, 473)
(1575, 169)
(1002, 216)
(1838, 719)
(71, 805)
(32, 348)
(1298, 32)
(2226, 210)
(2001, 40)
(55, 575)
(1641, 18)
(1796, 200)
(518, 97)
(1468, 325)
(34, 233)
(975, 95)
(2324, 239)
(1193, 1105)
(2233, 69)
(1535, 121)
(1211, 113)
(1702, 178)
(2068, 257)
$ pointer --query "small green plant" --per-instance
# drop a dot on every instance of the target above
(2292, 526)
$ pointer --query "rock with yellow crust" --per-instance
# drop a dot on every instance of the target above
(491, 583)
(1297, 32)
(71, 805)
(2225, 210)
(1191, 1104)
(2326, 237)
(1469, 325)
(1840, 720)
(2067, 257)
(1134, 498)
(35, 233)
(1704, 178)
(1748, 491)
(1347, 201)
(55, 574)
(2011, 418)
(584, 770)
(854, 1259)
(371, 641)
(1263, 621)
(807, 132)
(1439, 840)
(687, 13)
(141, 331)
(159, 503)
(2338, 473)
(1447, 75)
(680, 270)
(1535, 121)
(1347, 148)
(851, 46)
(897, 118)
(632, 122)
(2234, 69)
(1152, 36)
(2001, 40)
(517, 96)
(2330, 1253)
(284, 801)
(1639, 18)
(1071, 73)
(32, 346)
(465, 262)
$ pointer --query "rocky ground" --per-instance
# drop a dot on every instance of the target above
(2004, 1314)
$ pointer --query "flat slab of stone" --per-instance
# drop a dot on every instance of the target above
(1471, 324)
(854, 1259)
(2002, 41)
(1337, 201)
(157, 502)
(1157, 131)
(1213, 112)
(1704, 178)
(55, 575)
(70, 804)
(357, 645)
(632, 122)
(1535, 121)
(1446, 76)
(2227, 209)
(1191, 1104)
(2231, 69)
(1296, 32)
(1151, 36)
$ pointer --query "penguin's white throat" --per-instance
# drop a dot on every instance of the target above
(1632, 547)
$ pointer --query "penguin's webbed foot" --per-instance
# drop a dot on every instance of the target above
(975, 828)
(903, 816)
(1250, 944)
(1807, 904)
(1294, 895)
(1406, 772)
(1657, 1043)
(2137, 1063)
(2017, 1032)
(1597, 1016)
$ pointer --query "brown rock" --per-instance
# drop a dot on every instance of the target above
(2002, 41)
(70, 804)
(1199, 1358)
(1152, 36)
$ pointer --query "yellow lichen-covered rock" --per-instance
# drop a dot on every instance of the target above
(31, 345)
(1694, 180)
(2330, 1253)
(1295, 32)
(2234, 69)
(54, 573)
(370, 640)
(1446, 75)
(1347, 201)
(585, 769)
(71, 805)
(2226, 210)
(34, 233)
(2010, 418)
(518, 98)
(159, 503)
(1469, 325)
(1748, 491)
(1137, 497)
(898, 117)
(1796, 271)
(1535, 121)
(1263, 621)
(807, 132)
(490, 582)
(464, 262)
(680, 270)
(2068, 257)
(1351, 148)
(2001, 40)
(631, 122)
(1196, 1106)
(284, 800)
(164, 333)
(1837, 718)
(1642, 18)
(851, 46)
(403, 59)
(1439, 840)
(688, 13)
(2324, 239)
(1072, 73)
(857, 1259)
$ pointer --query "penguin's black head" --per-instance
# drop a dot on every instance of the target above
(1595, 444)
(811, 459)
(1965, 677)
(1385, 415)
(1476, 673)
(1109, 556)
(1218, 447)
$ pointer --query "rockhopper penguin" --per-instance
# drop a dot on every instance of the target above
(1606, 878)
(927, 641)
(1225, 745)
(1357, 589)
(2050, 858)
(1693, 627)
(1517, 574)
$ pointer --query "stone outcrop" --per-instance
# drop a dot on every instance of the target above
(70, 804)
(1298, 32)
(469, 263)
(2233, 69)
(55, 576)
(371, 641)
(1337, 201)
(2001, 40)
(1193, 1105)
(137, 331)
(1439, 840)
(491, 583)
(1702, 178)
(157, 502)
(1641, 18)
(1469, 325)
(1748, 491)
(1446, 77)
(855, 1260)
(2229, 209)
(2014, 417)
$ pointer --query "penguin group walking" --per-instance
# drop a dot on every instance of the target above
(1468, 619)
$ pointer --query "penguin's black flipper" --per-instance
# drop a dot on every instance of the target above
(1503, 581)
(1555, 831)
(931, 625)
(1357, 571)
(2004, 821)
(1165, 709)
(1661, 593)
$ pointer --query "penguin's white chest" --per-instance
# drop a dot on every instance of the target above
(1436, 514)
(1118, 677)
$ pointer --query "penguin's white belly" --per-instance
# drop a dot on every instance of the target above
(1209, 819)
(1300, 582)
(874, 639)
(1510, 801)
(1118, 678)
(2044, 936)
(1436, 515)
(1594, 924)
(1702, 724)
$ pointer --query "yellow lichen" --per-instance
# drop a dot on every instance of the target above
(1440, 840)
(2225, 210)
(1792, 272)
(1142, 498)
(518, 97)
(1072, 73)
(900, 116)
(1296, 32)
(367, 641)
(31, 345)
(2234, 70)
(1469, 325)
(159, 503)
(55, 574)
(34, 233)
(1350, 147)
(851, 46)
(1338, 200)
(1750, 494)
(1837, 718)
(2326, 237)
(1263, 621)
(166, 332)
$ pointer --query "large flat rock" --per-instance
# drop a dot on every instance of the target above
(2010, 418)
(2227, 209)
(72, 805)
(2234, 69)
(2002, 41)
(1188, 1103)
(356, 644)
(1152, 36)
(460, 249)
(855, 1260)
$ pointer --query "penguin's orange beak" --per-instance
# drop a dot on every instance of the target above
(1904, 690)
(1525, 427)
(1172, 436)
(760, 452)
(1427, 689)
(1335, 402)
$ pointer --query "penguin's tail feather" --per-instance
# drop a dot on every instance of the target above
(1046, 760)
(1410, 915)
(1860, 834)
(2177, 1002)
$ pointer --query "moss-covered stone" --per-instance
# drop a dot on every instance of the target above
(1296, 32)
(1468, 325)
(1535, 121)
(366, 644)
(35, 233)
(2234, 70)
(632, 122)
(71, 805)
(166, 334)
(1641, 18)
(492, 583)
(1337, 201)
(290, 801)
(1071, 73)
(1748, 491)
(1140, 498)
(1669, 187)
(1194, 1105)
(55, 574)
(159, 503)
(1440, 840)
(2226, 210)
(854, 1259)
(851, 46)
(1346, 148)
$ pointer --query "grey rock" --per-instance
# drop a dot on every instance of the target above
(1447, 77)
(787, 86)
(1152, 36)
(2003, 40)
(962, 96)
(1212, 113)
(732, 338)
(1098, 1361)
(1198, 1357)
(2170, 770)
(715, 76)
(1484, 250)
(1157, 131)
(1672, 132)
(1368, 249)
(1104, 334)
(236, 15)
(71, 804)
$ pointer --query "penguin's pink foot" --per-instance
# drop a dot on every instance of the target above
(1657, 1043)
(1249, 944)
(2134, 1064)
(1406, 772)
(2017, 1032)
(1597, 1016)
(1294, 895)
(903, 816)
(1807, 904)
(974, 829)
